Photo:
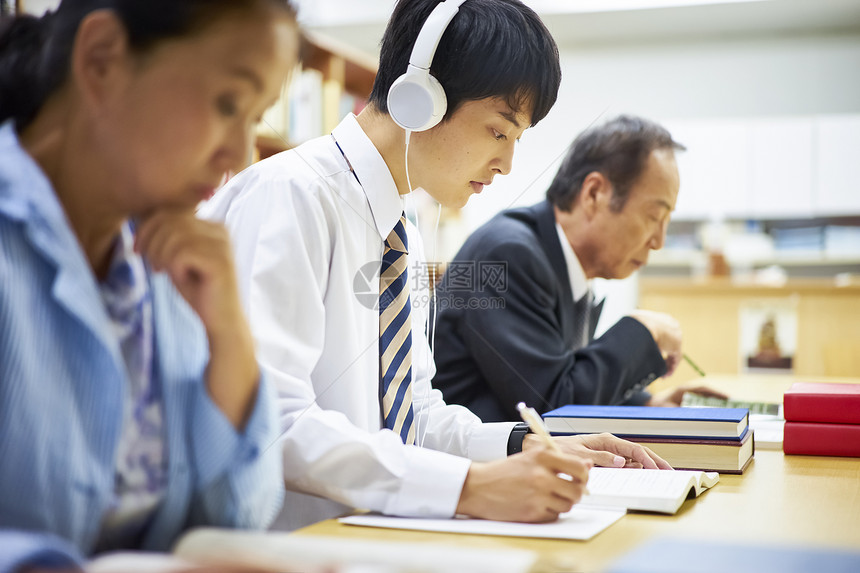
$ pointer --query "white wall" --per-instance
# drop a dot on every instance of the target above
(804, 75)
(730, 78)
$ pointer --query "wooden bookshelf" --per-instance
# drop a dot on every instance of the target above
(354, 70)
(828, 321)
(340, 69)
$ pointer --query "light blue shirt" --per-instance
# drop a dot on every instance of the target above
(62, 386)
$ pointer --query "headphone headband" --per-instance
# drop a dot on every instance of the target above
(416, 100)
(431, 33)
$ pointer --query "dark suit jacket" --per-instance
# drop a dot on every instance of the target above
(509, 336)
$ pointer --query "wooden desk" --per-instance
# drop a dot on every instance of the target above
(804, 500)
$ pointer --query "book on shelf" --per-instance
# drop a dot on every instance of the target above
(275, 122)
(677, 555)
(331, 105)
(821, 439)
(309, 106)
(306, 106)
(822, 402)
(725, 423)
(706, 454)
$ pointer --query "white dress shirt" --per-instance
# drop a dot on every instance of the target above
(308, 227)
(579, 284)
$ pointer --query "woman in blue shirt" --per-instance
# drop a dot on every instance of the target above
(131, 405)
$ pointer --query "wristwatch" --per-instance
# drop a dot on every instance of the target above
(515, 440)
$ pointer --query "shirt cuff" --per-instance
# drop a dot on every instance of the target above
(38, 550)
(219, 447)
(431, 486)
(489, 441)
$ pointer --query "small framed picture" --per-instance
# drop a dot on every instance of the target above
(34, 7)
(768, 335)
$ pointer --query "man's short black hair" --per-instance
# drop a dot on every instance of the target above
(492, 48)
(619, 149)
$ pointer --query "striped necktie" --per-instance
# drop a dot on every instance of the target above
(395, 336)
(584, 308)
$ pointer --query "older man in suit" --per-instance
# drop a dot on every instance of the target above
(517, 316)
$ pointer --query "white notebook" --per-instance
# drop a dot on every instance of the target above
(580, 523)
(612, 492)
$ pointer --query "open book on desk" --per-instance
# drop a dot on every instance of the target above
(612, 493)
(659, 491)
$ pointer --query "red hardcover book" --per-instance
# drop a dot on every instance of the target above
(819, 402)
(822, 439)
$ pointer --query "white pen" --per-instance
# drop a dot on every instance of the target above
(531, 417)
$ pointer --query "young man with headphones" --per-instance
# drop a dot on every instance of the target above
(322, 247)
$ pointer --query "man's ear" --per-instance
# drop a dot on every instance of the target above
(100, 57)
(595, 194)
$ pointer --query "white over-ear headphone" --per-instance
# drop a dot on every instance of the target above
(416, 100)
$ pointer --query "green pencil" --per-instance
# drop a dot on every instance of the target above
(693, 364)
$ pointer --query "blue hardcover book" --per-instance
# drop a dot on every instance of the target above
(723, 423)
(693, 556)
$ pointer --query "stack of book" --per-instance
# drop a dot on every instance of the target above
(822, 419)
(707, 439)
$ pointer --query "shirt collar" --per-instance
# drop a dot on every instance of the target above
(372, 174)
(579, 284)
(25, 191)
(27, 196)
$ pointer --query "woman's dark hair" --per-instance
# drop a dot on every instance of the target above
(492, 48)
(619, 149)
(35, 52)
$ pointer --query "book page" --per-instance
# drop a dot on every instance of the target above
(768, 432)
(647, 490)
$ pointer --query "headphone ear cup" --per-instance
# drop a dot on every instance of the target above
(416, 101)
